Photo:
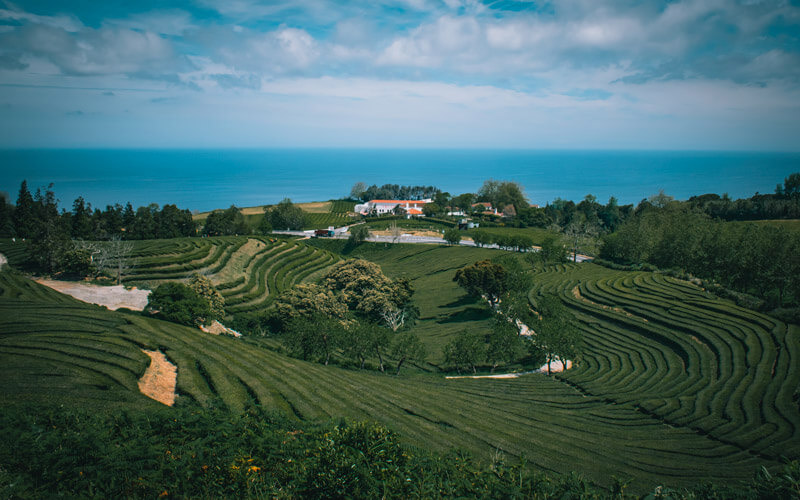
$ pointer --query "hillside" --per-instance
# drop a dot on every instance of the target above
(675, 386)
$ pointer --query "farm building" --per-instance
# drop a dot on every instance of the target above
(381, 207)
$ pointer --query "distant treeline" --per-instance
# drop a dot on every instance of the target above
(361, 192)
(37, 215)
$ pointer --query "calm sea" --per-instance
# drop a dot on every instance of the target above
(207, 179)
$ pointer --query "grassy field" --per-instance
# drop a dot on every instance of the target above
(675, 386)
(318, 215)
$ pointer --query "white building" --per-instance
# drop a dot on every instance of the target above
(382, 207)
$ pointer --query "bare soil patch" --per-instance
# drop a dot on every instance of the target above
(160, 378)
(113, 297)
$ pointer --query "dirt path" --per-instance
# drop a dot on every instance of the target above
(160, 378)
(113, 297)
(3, 261)
(555, 367)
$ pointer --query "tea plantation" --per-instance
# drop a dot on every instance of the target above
(674, 386)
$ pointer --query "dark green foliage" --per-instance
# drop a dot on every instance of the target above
(226, 222)
(286, 215)
(502, 194)
(452, 236)
(407, 347)
(555, 335)
(24, 216)
(552, 251)
(484, 278)
(465, 352)
(178, 303)
(505, 344)
(358, 234)
(314, 338)
(210, 453)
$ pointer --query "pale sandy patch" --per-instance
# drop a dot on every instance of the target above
(555, 367)
(160, 378)
(3, 261)
(317, 207)
(113, 297)
(217, 328)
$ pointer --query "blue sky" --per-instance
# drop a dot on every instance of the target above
(586, 74)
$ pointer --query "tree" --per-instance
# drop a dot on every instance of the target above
(226, 222)
(556, 337)
(24, 218)
(552, 250)
(309, 301)
(359, 341)
(115, 256)
(452, 236)
(287, 215)
(502, 193)
(482, 238)
(6, 216)
(505, 344)
(81, 220)
(395, 232)
(264, 226)
(358, 234)
(357, 191)
(204, 288)
(178, 303)
(314, 337)
(407, 347)
(431, 209)
(484, 279)
(366, 290)
(465, 351)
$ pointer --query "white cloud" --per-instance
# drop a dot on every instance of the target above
(66, 22)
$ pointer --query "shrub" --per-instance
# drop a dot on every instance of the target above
(178, 303)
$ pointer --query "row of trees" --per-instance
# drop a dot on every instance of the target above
(504, 286)
(763, 260)
(360, 191)
(32, 211)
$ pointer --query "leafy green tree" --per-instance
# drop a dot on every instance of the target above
(552, 251)
(463, 201)
(484, 279)
(178, 303)
(264, 225)
(432, 209)
(357, 191)
(366, 290)
(452, 236)
(226, 222)
(358, 234)
(359, 340)
(204, 288)
(465, 351)
(555, 335)
(315, 337)
(309, 301)
(482, 238)
(502, 194)
(407, 347)
(505, 344)
(287, 215)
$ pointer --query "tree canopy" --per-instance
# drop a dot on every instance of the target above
(484, 278)
(286, 215)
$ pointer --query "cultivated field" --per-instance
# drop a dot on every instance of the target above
(675, 386)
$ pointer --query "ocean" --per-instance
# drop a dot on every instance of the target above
(207, 179)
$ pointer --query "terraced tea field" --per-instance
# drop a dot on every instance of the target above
(249, 271)
(675, 386)
(671, 350)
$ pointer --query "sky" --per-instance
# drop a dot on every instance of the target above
(571, 74)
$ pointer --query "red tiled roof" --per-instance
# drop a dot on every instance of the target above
(402, 202)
